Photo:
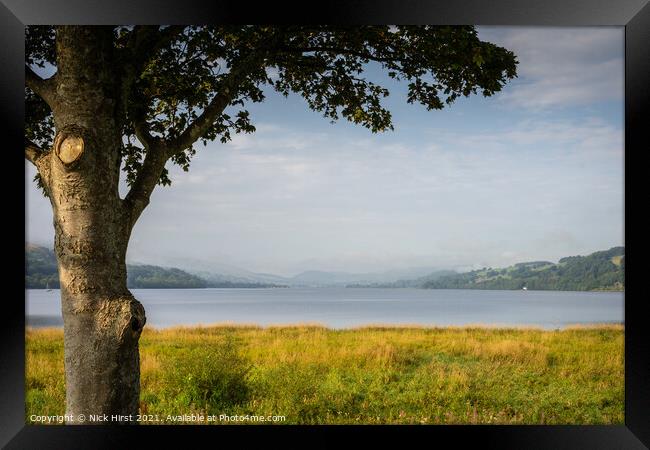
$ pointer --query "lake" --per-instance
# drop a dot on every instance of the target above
(346, 308)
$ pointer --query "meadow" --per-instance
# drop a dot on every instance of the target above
(371, 375)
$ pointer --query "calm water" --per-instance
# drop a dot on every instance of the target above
(342, 308)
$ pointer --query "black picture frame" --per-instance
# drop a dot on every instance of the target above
(634, 15)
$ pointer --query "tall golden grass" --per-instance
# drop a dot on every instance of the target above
(372, 374)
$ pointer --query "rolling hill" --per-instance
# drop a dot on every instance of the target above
(604, 270)
(41, 272)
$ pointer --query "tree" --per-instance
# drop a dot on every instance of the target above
(134, 98)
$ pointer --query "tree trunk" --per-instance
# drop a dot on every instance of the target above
(102, 320)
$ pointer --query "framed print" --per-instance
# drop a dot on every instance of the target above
(410, 221)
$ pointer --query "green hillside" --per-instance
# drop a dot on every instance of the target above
(154, 277)
(40, 268)
(604, 270)
(41, 272)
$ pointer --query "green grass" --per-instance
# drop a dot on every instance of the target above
(391, 375)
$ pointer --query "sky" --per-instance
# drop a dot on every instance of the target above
(532, 173)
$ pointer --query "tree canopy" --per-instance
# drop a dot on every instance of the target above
(176, 86)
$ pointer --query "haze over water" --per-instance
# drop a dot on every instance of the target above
(348, 308)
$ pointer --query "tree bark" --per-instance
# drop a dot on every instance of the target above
(102, 320)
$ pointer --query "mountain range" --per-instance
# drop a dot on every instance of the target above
(311, 278)
(598, 271)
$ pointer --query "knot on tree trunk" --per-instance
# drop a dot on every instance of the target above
(69, 145)
(124, 314)
(138, 318)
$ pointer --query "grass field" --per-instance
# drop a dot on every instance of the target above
(375, 375)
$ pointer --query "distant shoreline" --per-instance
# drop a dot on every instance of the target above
(177, 288)
(349, 287)
(599, 271)
(378, 326)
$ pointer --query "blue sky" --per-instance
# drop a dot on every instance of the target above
(534, 172)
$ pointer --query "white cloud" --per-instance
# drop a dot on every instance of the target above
(275, 201)
(544, 188)
(290, 194)
(561, 67)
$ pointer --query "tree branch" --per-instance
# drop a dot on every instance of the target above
(149, 39)
(33, 152)
(158, 151)
(227, 91)
(40, 158)
(148, 175)
(143, 43)
(143, 134)
(46, 89)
